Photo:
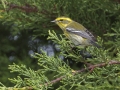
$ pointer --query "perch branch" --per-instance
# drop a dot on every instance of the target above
(91, 67)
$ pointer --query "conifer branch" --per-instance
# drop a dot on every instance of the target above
(91, 68)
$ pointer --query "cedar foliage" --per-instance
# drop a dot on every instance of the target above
(102, 17)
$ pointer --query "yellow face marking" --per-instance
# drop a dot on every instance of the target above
(62, 22)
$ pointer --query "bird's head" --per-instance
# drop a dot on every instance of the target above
(62, 22)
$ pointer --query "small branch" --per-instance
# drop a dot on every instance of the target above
(56, 80)
(27, 8)
(91, 67)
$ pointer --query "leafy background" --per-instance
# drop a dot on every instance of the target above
(25, 24)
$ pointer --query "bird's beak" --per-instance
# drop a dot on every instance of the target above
(53, 21)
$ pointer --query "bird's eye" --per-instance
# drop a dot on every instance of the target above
(61, 20)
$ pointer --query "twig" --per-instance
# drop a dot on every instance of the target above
(56, 80)
(91, 67)
(27, 8)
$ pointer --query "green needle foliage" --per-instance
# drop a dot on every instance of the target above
(98, 16)
(75, 72)
(102, 73)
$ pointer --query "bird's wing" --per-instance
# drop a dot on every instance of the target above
(83, 33)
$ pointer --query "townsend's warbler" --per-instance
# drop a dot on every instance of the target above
(75, 32)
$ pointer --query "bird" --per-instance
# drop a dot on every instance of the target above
(76, 32)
